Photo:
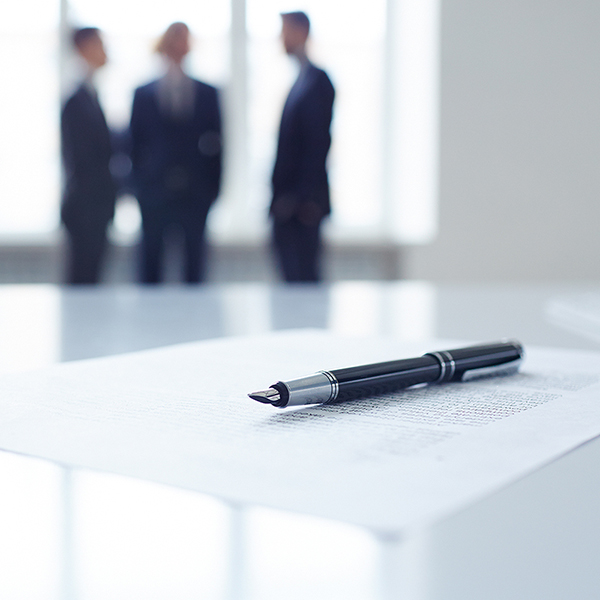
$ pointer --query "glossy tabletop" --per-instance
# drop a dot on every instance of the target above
(75, 534)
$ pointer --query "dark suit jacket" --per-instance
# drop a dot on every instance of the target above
(89, 195)
(300, 173)
(176, 157)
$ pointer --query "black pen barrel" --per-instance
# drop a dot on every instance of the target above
(356, 382)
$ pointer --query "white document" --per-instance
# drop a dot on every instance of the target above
(180, 416)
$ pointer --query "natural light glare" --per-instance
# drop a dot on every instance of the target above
(338, 561)
(29, 105)
(328, 19)
(412, 137)
(28, 16)
(136, 539)
(355, 309)
(29, 504)
(410, 310)
(30, 326)
(138, 18)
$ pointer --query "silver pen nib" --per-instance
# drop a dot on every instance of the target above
(270, 396)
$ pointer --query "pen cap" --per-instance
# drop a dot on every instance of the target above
(462, 364)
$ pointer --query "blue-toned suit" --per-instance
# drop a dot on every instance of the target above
(88, 202)
(300, 184)
(176, 166)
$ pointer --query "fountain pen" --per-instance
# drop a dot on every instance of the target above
(461, 364)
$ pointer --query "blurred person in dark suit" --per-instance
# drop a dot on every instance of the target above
(300, 185)
(176, 158)
(89, 197)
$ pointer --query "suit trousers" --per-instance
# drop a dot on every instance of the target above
(185, 216)
(86, 219)
(298, 249)
(85, 253)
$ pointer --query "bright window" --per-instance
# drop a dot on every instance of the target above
(29, 106)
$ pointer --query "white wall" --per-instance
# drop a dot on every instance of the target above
(520, 143)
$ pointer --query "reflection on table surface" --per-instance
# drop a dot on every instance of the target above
(76, 534)
(42, 325)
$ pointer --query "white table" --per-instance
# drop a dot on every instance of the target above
(84, 535)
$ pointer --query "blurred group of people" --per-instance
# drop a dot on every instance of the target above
(175, 146)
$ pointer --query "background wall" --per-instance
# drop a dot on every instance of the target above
(520, 143)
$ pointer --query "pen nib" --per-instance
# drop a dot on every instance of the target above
(270, 396)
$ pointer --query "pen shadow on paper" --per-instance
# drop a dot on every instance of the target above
(421, 397)
(357, 407)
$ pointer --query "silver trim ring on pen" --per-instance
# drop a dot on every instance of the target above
(442, 362)
(446, 360)
(451, 363)
(335, 386)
